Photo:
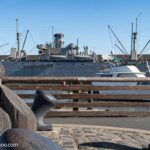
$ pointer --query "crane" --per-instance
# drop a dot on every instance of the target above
(25, 40)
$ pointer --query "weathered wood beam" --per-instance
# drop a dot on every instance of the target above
(69, 79)
(100, 104)
(104, 104)
(97, 114)
(74, 87)
(96, 96)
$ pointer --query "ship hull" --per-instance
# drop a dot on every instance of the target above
(57, 69)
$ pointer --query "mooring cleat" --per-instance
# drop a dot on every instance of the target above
(42, 104)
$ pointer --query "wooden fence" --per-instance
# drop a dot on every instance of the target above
(76, 96)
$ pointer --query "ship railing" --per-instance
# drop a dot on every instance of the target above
(77, 97)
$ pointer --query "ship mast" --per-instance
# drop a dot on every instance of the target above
(133, 54)
(133, 43)
(18, 39)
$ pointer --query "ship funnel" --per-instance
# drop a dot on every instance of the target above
(58, 40)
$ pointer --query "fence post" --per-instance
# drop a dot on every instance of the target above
(75, 100)
(90, 100)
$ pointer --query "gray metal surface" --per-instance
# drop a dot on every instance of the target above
(18, 68)
(41, 105)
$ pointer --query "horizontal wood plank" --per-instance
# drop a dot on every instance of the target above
(101, 104)
(104, 104)
(97, 114)
(95, 96)
(74, 87)
(70, 79)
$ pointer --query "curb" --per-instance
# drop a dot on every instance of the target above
(103, 127)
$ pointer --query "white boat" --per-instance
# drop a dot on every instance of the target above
(128, 71)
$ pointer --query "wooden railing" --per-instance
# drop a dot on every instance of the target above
(76, 96)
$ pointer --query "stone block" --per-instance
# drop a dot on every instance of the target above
(5, 122)
(20, 114)
(27, 140)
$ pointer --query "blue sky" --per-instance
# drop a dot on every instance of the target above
(86, 20)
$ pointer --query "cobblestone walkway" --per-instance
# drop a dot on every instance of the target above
(80, 137)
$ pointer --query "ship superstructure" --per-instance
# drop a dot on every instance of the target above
(56, 50)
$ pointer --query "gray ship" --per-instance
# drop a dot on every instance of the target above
(54, 60)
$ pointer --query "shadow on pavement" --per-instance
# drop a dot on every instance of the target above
(110, 145)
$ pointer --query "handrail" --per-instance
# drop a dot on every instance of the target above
(32, 80)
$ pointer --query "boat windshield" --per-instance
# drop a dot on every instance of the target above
(104, 75)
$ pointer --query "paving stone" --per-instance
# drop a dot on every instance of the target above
(75, 138)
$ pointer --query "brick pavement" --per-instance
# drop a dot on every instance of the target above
(83, 137)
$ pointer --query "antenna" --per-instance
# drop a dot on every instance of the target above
(125, 51)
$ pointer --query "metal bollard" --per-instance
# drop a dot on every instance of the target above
(41, 105)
